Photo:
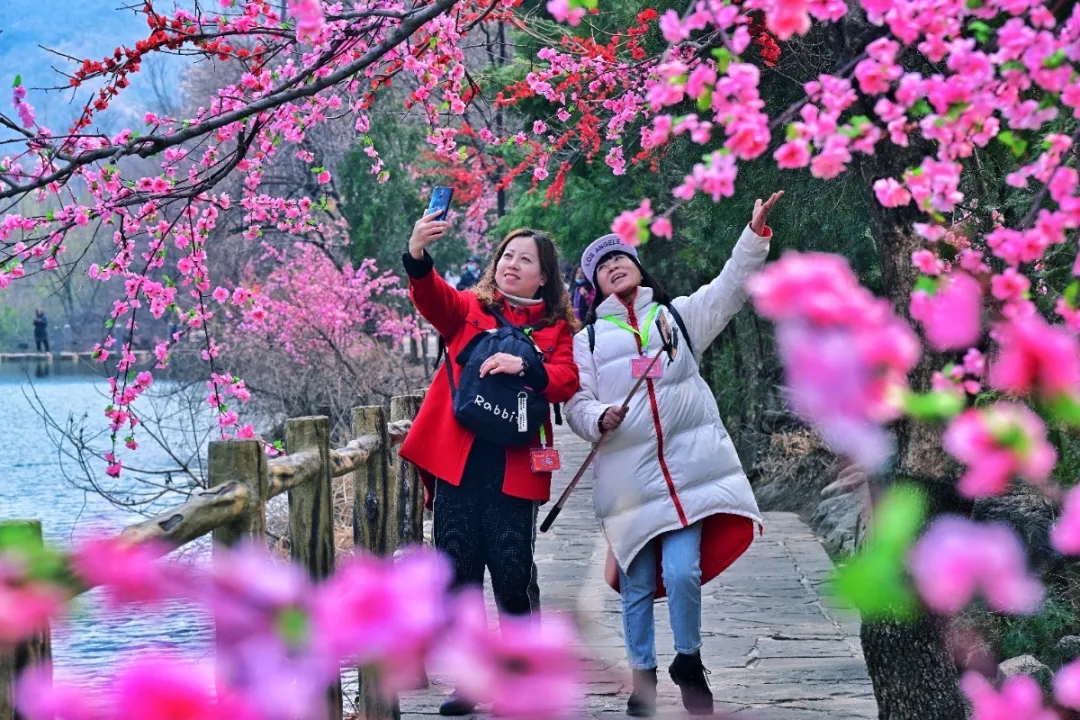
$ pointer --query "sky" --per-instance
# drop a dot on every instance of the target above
(84, 29)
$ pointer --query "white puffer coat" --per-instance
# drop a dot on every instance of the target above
(671, 463)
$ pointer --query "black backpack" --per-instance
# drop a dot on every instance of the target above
(674, 313)
(500, 408)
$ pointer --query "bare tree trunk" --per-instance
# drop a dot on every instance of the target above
(914, 677)
(913, 674)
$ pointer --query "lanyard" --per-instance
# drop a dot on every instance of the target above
(543, 437)
(644, 334)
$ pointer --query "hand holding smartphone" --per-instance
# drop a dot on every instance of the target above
(440, 201)
(433, 225)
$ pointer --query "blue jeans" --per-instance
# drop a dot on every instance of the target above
(681, 559)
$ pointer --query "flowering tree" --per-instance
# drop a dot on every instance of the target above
(922, 97)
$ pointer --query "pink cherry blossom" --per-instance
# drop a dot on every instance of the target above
(309, 18)
(792, 155)
(1009, 285)
(130, 572)
(890, 193)
(1065, 535)
(1036, 358)
(974, 363)
(997, 443)
(1020, 698)
(845, 353)
(527, 670)
(926, 261)
(951, 317)
(561, 11)
(661, 227)
(788, 17)
(371, 613)
(38, 698)
(631, 225)
(25, 606)
(956, 558)
(1067, 685)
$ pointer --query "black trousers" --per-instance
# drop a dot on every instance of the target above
(479, 526)
(39, 341)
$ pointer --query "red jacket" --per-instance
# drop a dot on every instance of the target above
(436, 443)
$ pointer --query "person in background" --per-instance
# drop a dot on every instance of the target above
(41, 331)
(452, 276)
(471, 275)
(669, 490)
(581, 295)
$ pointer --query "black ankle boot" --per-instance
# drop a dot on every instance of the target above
(456, 705)
(642, 702)
(689, 674)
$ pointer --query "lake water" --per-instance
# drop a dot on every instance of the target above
(33, 486)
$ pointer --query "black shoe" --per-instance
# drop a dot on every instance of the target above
(457, 705)
(642, 702)
(689, 674)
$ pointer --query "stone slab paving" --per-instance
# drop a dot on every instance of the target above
(777, 648)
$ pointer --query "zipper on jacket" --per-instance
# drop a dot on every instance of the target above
(632, 317)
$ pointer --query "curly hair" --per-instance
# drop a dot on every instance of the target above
(553, 292)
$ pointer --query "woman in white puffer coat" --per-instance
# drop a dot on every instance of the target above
(669, 490)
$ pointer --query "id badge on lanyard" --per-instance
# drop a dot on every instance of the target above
(544, 459)
(641, 365)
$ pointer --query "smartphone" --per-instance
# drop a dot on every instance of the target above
(440, 200)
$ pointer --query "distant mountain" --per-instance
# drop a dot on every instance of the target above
(82, 29)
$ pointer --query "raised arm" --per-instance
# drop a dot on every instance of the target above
(708, 310)
(441, 305)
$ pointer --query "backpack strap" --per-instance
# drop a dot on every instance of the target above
(450, 377)
(682, 326)
(441, 352)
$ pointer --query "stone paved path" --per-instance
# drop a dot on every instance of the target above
(776, 646)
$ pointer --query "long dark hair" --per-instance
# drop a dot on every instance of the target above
(660, 295)
(553, 293)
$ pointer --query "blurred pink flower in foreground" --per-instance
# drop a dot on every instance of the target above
(130, 572)
(1066, 533)
(997, 443)
(1036, 358)
(846, 355)
(956, 558)
(154, 686)
(950, 317)
(25, 605)
(1020, 698)
(527, 670)
(282, 640)
(1067, 685)
(370, 612)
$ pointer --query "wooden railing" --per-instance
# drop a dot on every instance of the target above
(387, 512)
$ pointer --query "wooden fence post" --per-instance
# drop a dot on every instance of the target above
(410, 490)
(373, 513)
(242, 462)
(311, 516)
(34, 651)
(245, 462)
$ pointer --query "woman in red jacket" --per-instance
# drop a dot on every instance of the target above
(486, 495)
